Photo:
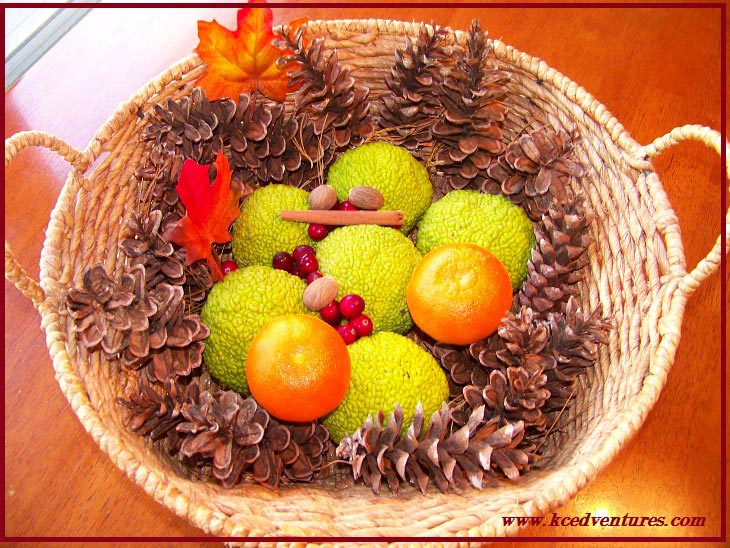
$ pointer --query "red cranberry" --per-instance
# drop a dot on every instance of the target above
(317, 231)
(363, 325)
(312, 276)
(351, 306)
(331, 313)
(228, 267)
(347, 205)
(302, 251)
(347, 332)
(308, 264)
(283, 261)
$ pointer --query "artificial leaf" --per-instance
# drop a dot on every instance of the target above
(243, 60)
(210, 210)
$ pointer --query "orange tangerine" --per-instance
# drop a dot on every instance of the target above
(459, 293)
(298, 367)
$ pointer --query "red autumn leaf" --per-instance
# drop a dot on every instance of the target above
(210, 210)
(242, 60)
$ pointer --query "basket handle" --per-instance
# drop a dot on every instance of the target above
(707, 266)
(14, 272)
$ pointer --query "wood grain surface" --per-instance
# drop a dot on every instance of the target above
(653, 68)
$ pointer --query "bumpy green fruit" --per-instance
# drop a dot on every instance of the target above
(388, 369)
(236, 309)
(392, 170)
(375, 262)
(487, 220)
(259, 233)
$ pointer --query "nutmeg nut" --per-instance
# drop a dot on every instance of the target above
(322, 197)
(320, 293)
(366, 197)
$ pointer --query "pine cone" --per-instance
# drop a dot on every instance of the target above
(104, 311)
(536, 170)
(143, 328)
(559, 258)
(463, 368)
(575, 336)
(331, 110)
(469, 135)
(155, 412)
(191, 125)
(517, 361)
(472, 455)
(145, 245)
(173, 343)
(517, 395)
(239, 436)
(415, 79)
(152, 413)
(264, 144)
(188, 128)
(160, 172)
(524, 341)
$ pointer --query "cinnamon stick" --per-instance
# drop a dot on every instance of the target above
(336, 217)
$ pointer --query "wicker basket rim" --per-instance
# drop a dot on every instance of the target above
(540, 496)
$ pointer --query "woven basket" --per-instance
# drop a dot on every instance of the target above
(637, 274)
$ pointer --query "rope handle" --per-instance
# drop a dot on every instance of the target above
(14, 272)
(692, 132)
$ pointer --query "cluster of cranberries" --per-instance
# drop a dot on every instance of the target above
(318, 231)
(303, 262)
(350, 310)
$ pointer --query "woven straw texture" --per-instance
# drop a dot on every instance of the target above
(637, 275)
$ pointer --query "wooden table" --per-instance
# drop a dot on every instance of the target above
(654, 69)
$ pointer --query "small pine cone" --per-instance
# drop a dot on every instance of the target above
(327, 94)
(152, 412)
(517, 395)
(462, 367)
(161, 171)
(104, 312)
(558, 259)
(190, 125)
(173, 344)
(189, 128)
(224, 429)
(248, 138)
(469, 136)
(524, 341)
(269, 145)
(240, 437)
(575, 339)
(413, 104)
(470, 455)
(575, 336)
(146, 246)
(536, 170)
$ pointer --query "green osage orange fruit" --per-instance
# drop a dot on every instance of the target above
(388, 370)
(393, 170)
(487, 220)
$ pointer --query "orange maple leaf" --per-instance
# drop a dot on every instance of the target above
(242, 60)
(210, 210)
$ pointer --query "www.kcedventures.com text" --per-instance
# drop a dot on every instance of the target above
(589, 520)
